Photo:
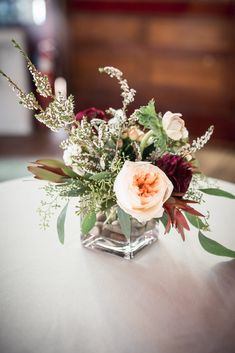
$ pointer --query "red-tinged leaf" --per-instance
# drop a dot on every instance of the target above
(51, 163)
(170, 211)
(43, 174)
(183, 202)
(180, 229)
(192, 211)
(168, 226)
(182, 220)
(170, 201)
(55, 170)
(178, 194)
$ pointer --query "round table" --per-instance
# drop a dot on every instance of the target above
(173, 297)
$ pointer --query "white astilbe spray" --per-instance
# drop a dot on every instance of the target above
(117, 122)
(28, 100)
(196, 144)
(41, 81)
(97, 147)
(58, 114)
(128, 93)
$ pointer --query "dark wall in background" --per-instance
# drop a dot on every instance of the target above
(180, 52)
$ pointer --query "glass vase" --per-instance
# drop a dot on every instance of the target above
(107, 236)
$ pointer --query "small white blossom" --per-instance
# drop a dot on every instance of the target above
(78, 170)
(70, 152)
(119, 117)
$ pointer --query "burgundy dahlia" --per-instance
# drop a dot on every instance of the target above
(91, 113)
(177, 170)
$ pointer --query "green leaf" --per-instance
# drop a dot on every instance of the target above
(88, 222)
(218, 192)
(60, 223)
(213, 247)
(196, 221)
(147, 116)
(75, 193)
(41, 173)
(164, 219)
(99, 176)
(68, 171)
(51, 163)
(125, 222)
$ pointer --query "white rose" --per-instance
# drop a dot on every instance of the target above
(141, 190)
(174, 126)
(70, 152)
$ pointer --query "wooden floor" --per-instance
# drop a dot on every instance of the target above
(216, 160)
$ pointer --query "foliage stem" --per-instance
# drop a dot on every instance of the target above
(145, 140)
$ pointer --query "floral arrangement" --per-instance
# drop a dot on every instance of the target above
(140, 166)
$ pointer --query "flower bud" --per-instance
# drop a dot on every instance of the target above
(134, 133)
(119, 143)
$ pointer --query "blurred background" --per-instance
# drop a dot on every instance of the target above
(182, 53)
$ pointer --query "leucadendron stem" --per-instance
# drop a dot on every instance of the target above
(145, 140)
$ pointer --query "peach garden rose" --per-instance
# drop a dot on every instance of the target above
(141, 190)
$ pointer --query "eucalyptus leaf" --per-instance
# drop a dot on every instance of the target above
(60, 223)
(218, 192)
(125, 222)
(164, 219)
(213, 247)
(196, 221)
(88, 222)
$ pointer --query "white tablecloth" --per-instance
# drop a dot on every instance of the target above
(173, 297)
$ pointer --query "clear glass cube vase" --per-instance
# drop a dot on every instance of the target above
(107, 236)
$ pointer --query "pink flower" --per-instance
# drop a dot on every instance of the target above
(91, 113)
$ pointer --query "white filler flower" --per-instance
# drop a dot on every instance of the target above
(70, 152)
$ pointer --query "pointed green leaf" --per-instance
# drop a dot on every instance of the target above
(164, 219)
(51, 163)
(196, 221)
(213, 247)
(218, 192)
(88, 222)
(60, 223)
(68, 171)
(125, 222)
(41, 173)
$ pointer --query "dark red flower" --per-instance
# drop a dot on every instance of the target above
(177, 170)
(91, 113)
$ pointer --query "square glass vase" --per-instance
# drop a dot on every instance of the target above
(107, 236)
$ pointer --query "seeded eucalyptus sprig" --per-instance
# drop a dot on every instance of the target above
(41, 81)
